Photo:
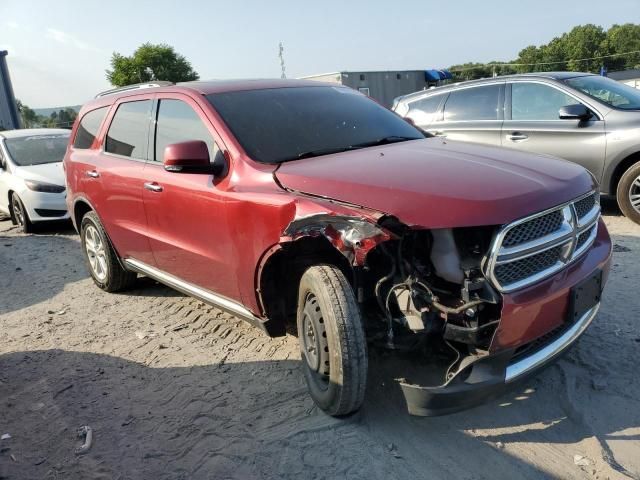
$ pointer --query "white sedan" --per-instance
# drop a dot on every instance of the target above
(32, 185)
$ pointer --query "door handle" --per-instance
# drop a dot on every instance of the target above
(517, 137)
(93, 174)
(153, 187)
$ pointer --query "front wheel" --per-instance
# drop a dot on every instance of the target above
(332, 341)
(628, 193)
(19, 215)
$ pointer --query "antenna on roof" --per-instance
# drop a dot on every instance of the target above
(281, 55)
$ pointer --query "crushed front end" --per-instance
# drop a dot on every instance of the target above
(495, 304)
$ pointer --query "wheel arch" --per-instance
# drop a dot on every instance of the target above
(619, 170)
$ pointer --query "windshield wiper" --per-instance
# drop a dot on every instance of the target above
(329, 151)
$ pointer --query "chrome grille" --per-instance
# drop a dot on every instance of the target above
(531, 249)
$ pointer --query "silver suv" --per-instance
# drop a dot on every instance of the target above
(584, 118)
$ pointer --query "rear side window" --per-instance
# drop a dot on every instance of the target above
(127, 135)
(178, 122)
(422, 111)
(88, 128)
(477, 103)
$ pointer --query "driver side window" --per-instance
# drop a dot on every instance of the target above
(535, 101)
(177, 122)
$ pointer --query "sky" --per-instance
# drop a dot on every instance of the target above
(59, 51)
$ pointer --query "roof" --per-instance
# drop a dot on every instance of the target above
(220, 86)
(551, 75)
(625, 75)
(30, 132)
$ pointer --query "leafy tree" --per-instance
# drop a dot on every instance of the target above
(621, 39)
(29, 118)
(150, 62)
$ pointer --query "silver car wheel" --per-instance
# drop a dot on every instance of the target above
(96, 252)
(17, 212)
(634, 194)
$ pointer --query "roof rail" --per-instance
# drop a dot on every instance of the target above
(135, 86)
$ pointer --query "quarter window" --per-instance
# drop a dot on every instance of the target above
(535, 101)
(88, 128)
(178, 122)
(477, 103)
(127, 135)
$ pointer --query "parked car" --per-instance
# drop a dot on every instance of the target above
(585, 118)
(32, 185)
(296, 201)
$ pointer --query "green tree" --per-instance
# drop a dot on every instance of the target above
(28, 117)
(150, 62)
(621, 39)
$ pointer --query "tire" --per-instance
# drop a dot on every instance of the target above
(628, 193)
(19, 215)
(332, 341)
(101, 260)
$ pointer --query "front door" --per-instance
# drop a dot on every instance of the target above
(533, 125)
(186, 213)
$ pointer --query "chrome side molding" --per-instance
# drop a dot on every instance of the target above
(201, 294)
(552, 350)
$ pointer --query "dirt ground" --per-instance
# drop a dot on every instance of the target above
(175, 389)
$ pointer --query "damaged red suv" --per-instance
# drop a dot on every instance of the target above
(295, 201)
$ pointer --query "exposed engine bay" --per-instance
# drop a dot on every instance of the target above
(429, 287)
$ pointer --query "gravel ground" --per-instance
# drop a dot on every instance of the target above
(172, 388)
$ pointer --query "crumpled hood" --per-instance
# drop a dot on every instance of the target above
(48, 172)
(440, 184)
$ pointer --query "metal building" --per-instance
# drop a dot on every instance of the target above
(384, 86)
(630, 77)
(9, 117)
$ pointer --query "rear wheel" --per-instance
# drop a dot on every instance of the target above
(102, 261)
(19, 214)
(332, 341)
(628, 193)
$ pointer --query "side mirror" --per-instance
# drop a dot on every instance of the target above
(191, 157)
(574, 112)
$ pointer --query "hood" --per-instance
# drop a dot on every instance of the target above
(440, 184)
(48, 172)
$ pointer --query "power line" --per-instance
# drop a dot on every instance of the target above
(484, 65)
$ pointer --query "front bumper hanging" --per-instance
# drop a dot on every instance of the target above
(490, 376)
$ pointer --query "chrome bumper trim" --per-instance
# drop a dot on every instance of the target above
(555, 348)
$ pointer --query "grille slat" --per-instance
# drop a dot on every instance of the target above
(585, 205)
(534, 229)
(520, 269)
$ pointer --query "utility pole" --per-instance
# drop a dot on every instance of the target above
(281, 55)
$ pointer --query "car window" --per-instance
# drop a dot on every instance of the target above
(422, 111)
(88, 127)
(37, 149)
(127, 135)
(178, 122)
(609, 91)
(477, 103)
(535, 101)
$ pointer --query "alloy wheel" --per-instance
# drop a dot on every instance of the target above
(634, 194)
(17, 211)
(96, 252)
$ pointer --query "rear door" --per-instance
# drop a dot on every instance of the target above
(426, 110)
(472, 114)
(532, 124)
(116, 177)
(186, 213)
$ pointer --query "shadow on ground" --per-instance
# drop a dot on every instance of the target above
(243, 421)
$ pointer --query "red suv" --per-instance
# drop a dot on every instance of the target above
(296, 201)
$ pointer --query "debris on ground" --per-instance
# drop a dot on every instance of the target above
(86, 433)
(5, 436)
(581, 461)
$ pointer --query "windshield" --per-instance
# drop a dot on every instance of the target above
(614, 94)
(282, 124)
(37, 149)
